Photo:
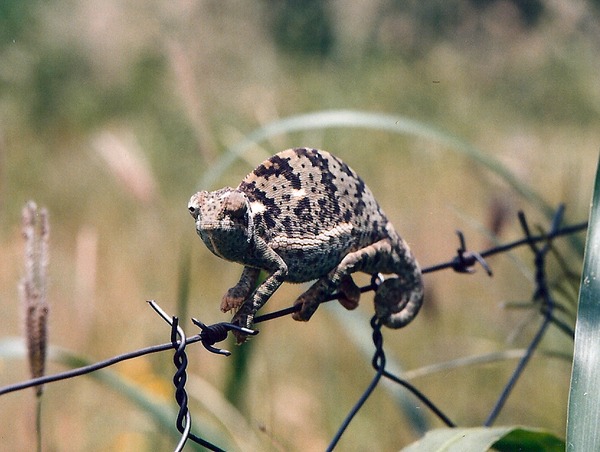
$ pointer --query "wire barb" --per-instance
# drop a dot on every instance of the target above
(466, 260)
(211, 334)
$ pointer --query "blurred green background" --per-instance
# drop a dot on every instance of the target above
(111, 114)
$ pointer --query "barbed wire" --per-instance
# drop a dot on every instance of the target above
(464, 262)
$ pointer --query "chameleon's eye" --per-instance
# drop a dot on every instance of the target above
(194, 211)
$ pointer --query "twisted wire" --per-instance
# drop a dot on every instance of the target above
(541, 292)
(379, 364)
(184, 418)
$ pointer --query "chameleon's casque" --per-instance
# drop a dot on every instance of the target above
(302, 215)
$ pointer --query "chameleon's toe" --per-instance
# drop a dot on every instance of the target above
(231, 300)
(349, 293)
(309, 306)
(243, 318)
(240, 337)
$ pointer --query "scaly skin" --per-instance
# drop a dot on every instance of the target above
(303, 215)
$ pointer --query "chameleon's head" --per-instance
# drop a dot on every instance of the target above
(223, 221)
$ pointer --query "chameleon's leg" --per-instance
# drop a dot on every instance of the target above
(368, 259)
(398, 299)
(245, 315)
(238, 293)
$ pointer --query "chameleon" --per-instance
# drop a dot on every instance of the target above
(304, 215)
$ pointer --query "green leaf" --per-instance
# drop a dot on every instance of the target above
(532, 440)
(583, 427)
(480, 439)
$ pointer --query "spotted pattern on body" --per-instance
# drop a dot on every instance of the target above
(305, 215)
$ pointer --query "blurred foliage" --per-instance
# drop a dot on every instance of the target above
(302, 27)
(15, 18)
(530, 11)
(66, 96)
(415, 27)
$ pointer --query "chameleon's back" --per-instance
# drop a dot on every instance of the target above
(307, 201)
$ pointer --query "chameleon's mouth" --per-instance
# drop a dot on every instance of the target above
(205, 229)
(210, 226)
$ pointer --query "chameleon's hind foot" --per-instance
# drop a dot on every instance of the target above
(349, 293)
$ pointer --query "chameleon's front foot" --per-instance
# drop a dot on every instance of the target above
(235, 296)
(244, 317)
(233, 299)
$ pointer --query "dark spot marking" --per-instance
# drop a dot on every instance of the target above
(302, 211)
(302, 206)
(256, 194)
(287, 224)
(277, 166)
(269, 221)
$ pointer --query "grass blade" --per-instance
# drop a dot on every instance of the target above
(583, 429)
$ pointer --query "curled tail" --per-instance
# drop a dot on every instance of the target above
(399, 298)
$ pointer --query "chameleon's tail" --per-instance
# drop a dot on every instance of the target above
(398, 299)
